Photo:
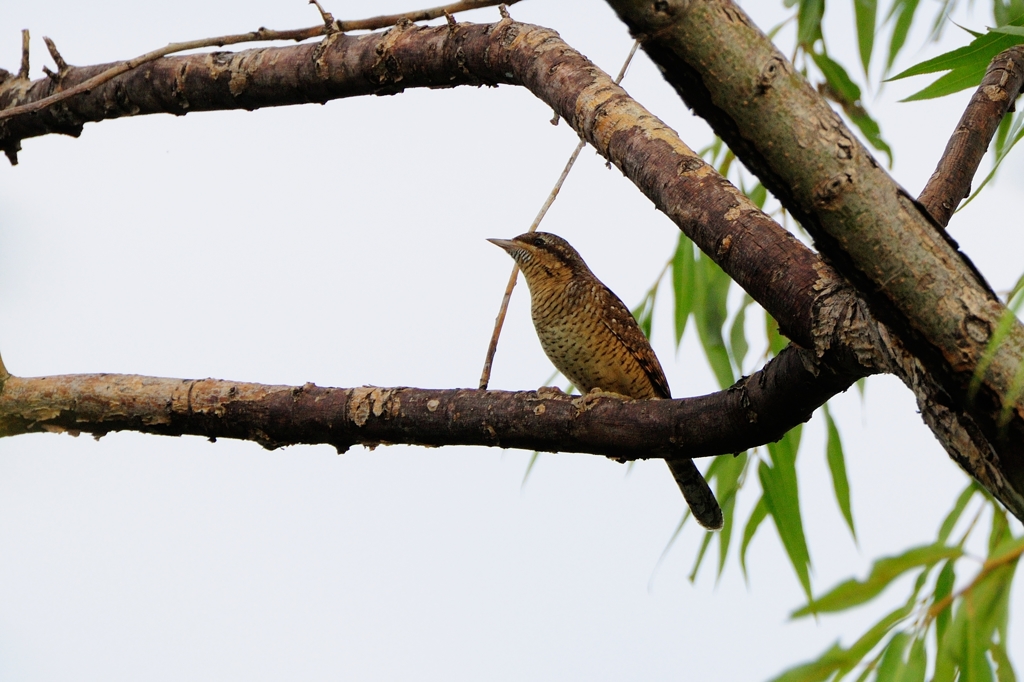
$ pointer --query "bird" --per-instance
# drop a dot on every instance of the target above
(591, 337)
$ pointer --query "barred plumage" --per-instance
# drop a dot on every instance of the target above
(590, 336)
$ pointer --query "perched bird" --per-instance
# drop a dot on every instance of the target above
(590, 336)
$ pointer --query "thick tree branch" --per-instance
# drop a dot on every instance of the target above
(951, 181)
(777, 270)
(910, 272)
(741, 417)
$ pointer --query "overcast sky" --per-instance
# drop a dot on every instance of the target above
(345, 245)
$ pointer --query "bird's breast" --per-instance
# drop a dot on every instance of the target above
(572, 331)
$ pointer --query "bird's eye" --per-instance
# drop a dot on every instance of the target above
(539, 240)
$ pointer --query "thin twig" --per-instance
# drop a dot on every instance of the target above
(420, 15)
(499, 321)
(62, 65)
(324, 14)
(23, 71)
(259, 35)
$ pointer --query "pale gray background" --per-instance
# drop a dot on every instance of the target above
(344, 245)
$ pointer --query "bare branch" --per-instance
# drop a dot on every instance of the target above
(725, 422)
(951, 181)
(57, 58)
(259, 35)
(24, 70)
(386, 20)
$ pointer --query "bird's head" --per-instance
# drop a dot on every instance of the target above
(543, 256)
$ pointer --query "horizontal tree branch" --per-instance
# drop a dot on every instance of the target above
(744, 416)
(951, 182)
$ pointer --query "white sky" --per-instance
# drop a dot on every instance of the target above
(344, 245)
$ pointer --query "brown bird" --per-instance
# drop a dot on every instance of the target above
(590, 336)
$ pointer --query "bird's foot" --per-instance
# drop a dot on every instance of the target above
(550, 392)
(585, 402)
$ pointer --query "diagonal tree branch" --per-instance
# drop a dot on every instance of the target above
(951, 182)
(748, 244)
(909, 271)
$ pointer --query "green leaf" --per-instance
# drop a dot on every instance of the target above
(978, 616)
(999, 534)
(738, 334)
(726, 477)
(1008, 30)
(711, 289)
(836, 659)
(1007, 11)
(892, 658)
(903, 10)
(847, 94)
(644, 313)
(836, 76)
(837, 466)
(682, 284)
(776, 341)
(871, 131)
(758, 515)
(979, 52)
(779, 483)
(808, 23)
(815, 671)
(958, 510)
(865, 13)
(870, 639)
(1004, 669)
(943, 588)
(854, 592)
(917, 663)
(668, 545)
(705, 543)
(758, 194)
(966, 65)
(954, 81)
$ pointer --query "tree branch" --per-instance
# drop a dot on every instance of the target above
(746, 415)
(951, 182)
(909, 272)
(748, 244)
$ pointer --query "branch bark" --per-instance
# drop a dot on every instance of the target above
(746, 415)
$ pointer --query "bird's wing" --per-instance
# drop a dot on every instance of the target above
(620, 322)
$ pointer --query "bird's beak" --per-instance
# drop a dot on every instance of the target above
(506, 244)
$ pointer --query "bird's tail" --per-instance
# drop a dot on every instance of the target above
(697, 493)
